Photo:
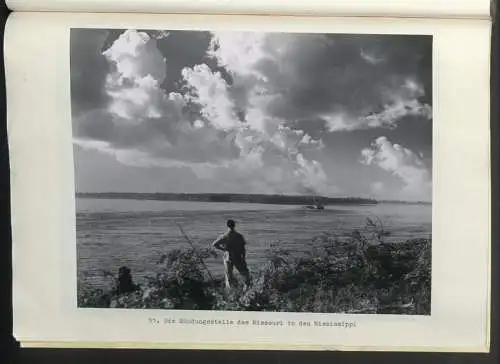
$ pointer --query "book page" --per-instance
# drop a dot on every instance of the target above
(245, 182)
(393, 8)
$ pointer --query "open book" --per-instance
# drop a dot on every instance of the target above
(250, 175)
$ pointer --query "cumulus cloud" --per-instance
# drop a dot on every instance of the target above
(210, 91)
(270, 158)
(142, 118)
(239, 52)
(134, 54)
(402, 163)
(199, 127)
(134, 84)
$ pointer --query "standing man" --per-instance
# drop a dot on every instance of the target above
(232, 243)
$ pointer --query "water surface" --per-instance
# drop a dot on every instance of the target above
(113, 232)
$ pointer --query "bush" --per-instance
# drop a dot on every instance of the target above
(361, 274)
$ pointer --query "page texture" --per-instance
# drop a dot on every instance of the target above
(393, 8)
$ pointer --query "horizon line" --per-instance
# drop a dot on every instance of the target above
(262, 194)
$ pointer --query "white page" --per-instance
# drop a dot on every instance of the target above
(43, 203)
(389, 8)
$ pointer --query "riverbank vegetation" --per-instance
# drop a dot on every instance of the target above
(361, 273)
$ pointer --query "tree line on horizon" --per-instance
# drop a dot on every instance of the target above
(236, 197)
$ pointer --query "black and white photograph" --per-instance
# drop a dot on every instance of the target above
(252, 171)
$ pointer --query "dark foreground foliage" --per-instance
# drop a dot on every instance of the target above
(359, 274)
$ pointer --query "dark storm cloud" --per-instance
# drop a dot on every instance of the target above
(359, 67)
(158, 138)
(88, 69)
(182, 49)
(358, 75)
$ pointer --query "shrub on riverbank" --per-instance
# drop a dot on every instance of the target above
(358, 274)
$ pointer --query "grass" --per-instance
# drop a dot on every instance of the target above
(358, 274)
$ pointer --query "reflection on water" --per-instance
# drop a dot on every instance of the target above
(111, 233)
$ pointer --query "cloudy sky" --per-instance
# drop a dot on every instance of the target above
(178, 111)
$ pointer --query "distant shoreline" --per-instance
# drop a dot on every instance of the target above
(243, 198)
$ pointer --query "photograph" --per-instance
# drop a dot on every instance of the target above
(229, 170)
